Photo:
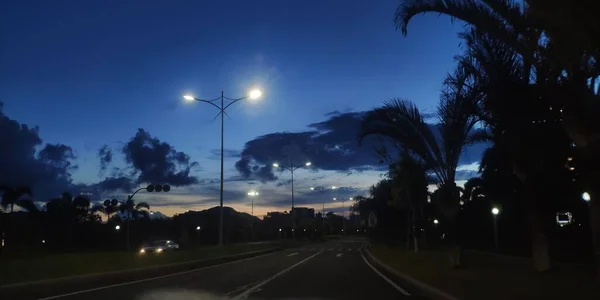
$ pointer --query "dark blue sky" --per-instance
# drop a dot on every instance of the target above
(91, 72)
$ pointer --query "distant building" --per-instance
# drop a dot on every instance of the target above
(304, 213)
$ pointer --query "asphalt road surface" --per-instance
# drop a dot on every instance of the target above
(332, 270)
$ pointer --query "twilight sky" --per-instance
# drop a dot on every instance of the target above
(91, 73)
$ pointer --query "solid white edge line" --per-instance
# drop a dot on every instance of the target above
(246, 293)
(398, 288)
(152, 278)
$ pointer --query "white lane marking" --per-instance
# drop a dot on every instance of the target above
(349, 249)
(245, 294)
(152, 278)
(341, 249)
(339, 255)
(330, 249)
(398, 288)
(292, 254)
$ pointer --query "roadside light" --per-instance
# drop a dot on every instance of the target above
(435, 221)
(495, 211)
(279, 229)
(117, 228)
(142, 251)
(586, 197)
(197, 227)
(159, 250)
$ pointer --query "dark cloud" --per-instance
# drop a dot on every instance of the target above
(105, 155)
(227, 153)
(125, 184)
(330, 145)
(154, 161)
(46, 172)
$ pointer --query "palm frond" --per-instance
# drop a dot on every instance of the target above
(141, 205)
(402, 122)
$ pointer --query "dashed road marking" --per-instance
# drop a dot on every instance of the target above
(255, 288)
(339, 255)
(292, 254)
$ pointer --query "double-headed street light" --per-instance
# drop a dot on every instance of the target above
(292, 168)
(322, 190)
(253, 94)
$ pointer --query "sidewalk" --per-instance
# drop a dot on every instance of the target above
(489, 276)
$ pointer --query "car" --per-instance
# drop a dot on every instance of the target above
(159, 246)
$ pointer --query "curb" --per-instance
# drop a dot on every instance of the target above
(428, 290)
(98, 275)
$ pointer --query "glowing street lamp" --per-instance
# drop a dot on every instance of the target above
(253, 94)
(292, 168)
(586, 197)
(117, 228)
(495, 212)
(435, 221)
(252, 194)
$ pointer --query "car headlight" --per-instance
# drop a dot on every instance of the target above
(142, 251)
(159, 250)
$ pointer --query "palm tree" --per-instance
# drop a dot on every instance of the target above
(12, 196)
(108, 208)
(409, 192)
(556, 42)
(402, 122)
(133, 211)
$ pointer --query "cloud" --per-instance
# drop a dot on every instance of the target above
(215, 154)
(122, 183)
(105, 155)
(154, 161)
(47, 172)
(329, 145)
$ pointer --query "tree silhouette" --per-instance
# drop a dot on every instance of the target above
(402, 122)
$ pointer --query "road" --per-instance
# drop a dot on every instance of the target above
(331, 270)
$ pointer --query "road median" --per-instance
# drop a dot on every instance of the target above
(90, 280)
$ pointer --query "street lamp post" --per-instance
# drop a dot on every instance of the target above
(495, 212)
(292, 168)
(322, 190)
(254, 94)
(252, 194)
(343, 211)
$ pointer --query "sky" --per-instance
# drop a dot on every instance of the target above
(111, 74)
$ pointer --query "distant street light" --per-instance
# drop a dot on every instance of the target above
(117, 228)
(292, 168)
(495, 212)
(343, 210)
(586, 197)
(198, 228)
(435, 221)
(321, 190)
(252, 194)
(254, 94)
